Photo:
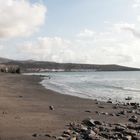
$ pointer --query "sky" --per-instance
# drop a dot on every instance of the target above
(74, 31)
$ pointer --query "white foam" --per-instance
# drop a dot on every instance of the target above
(100, 85)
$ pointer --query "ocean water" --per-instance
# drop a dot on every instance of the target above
(95, 85)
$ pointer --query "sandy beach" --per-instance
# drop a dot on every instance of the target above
(25, 113)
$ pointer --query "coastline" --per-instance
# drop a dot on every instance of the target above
(24, 107)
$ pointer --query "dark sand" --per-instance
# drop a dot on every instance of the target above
(24, 109)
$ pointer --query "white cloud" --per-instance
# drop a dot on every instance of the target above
(51, 49)
(133, 31)
(136, 4)
(86, 33)
(116, 45)
(20, 18)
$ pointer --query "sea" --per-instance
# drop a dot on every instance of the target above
(103, 86)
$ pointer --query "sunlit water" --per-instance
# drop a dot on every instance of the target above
(95, 85)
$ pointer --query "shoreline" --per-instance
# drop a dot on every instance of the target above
(25, 109)
(113, 90)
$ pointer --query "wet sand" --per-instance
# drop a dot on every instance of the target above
(25, 112)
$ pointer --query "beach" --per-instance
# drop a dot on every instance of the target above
(28, 111)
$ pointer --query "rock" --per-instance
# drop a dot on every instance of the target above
(104, 113)
(47, 135)
(137, 127)
(130, 126)
(105, 135)
(97, 122)
(128, 103)
(110, 102)
(54, 137)
(4, 112)
(136, 138)
(112, 114)
(130, 132)
(101, 106)
(127, 137)
(34, 135)
(120, 124)
(20, 96)
(83, 128)
(133, 119)
(96, 130)
(110, 125)
(115, 107)
(66, 135)
(138, 113)
(68, 132)
(91, 129)
(92, 132)
(88, 111)
(123, 112)
(118, 135)
(135, 107)
(89, 122)
(117, 114)
(97, 103)
(51, 107)
(119, 128)
(97, 112)
(134, 104)
(131, 111)
(128, 98)
(72, 124)
(60, 138)
(124, 104)
(101, 128)
(73, 138)
(92, 135)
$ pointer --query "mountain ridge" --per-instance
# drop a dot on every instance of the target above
(38, 66)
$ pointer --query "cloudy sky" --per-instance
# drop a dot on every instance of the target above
(80, 31)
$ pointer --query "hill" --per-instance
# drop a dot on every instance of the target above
(40, 66)
(5, 60)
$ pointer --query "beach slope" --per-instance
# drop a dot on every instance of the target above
(25, 111)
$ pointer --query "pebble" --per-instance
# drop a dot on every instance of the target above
(51, 107)
(73, 138)
(104, 113)
(34, 135)
(98, 122)
(47, 135)
(95, 129)
(130, 132)
(110, 102)
(101, 106)
(136, 138)
(20, 96)
(66, 135)
(60, 138)
(119, 128)
(133, 119)
(127, 137)
(89, 122)
(88, 111)
(84, 128)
